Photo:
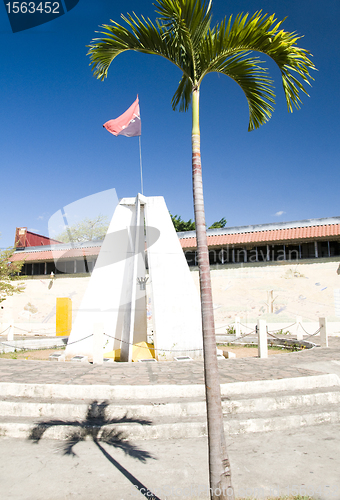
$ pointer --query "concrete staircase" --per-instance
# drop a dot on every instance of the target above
(58, 411)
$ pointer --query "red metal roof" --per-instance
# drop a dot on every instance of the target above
(218, 240)
(24, 239)
(55, 254)
(288, 234)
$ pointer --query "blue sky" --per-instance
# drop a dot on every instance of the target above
(54, 150)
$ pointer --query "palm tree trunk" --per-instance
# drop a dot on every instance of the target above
(219, 466)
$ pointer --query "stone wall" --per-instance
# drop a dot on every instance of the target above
(310, 289)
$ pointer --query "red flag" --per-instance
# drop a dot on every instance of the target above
(128, 123)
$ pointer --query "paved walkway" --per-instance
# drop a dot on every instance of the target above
(287, 365)
(299, 460)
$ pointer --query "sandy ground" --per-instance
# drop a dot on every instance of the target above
(310, 289)
(38, 355)
(43, 355)
(249, 352)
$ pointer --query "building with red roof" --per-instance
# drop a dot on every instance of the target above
(305, 239)
(282, 241)
(25, 238)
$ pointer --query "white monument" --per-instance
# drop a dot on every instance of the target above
(113, 310)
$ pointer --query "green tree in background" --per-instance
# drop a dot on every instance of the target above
(221, 223)
(85, 230)
(183, 34)
(181, 225)
(8, 274)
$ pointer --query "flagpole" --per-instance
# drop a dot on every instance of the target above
(140, 163)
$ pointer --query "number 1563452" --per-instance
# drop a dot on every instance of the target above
(33, 7)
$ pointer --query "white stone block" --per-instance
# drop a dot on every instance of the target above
(80, 359)
(57, 356)
(98, 343)
(10, 335)
(298, 328)
(237, 326)
(229, 354)
(262, 338)
(183, 358)
(323, 332)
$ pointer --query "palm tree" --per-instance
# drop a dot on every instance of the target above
(183, 34)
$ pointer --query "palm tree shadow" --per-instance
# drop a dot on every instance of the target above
(96, 427)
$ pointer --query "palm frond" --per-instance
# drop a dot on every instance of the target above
(182, 95)
(260, 33)
(194, 15)
(140, 35)
(185, 24)
(182, 34)
(254, 81)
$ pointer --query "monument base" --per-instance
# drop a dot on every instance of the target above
(140, 232)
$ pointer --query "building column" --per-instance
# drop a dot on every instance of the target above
(316, 249)
(284, 252)
(256, 255)
(233, 255)
(300, 251)
(75, 266)
(329, 248)
(268, 254)
(245, 255)
(45, 268)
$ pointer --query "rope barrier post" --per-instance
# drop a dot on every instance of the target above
(323, 332)
(98, 343)
(262, 338)
(10, 334)
(298, 330)
(237, 327)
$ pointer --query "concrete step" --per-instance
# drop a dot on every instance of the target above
(287, 400)
(163, 427)
(137, 392)
(29, 410)
(169, 407)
